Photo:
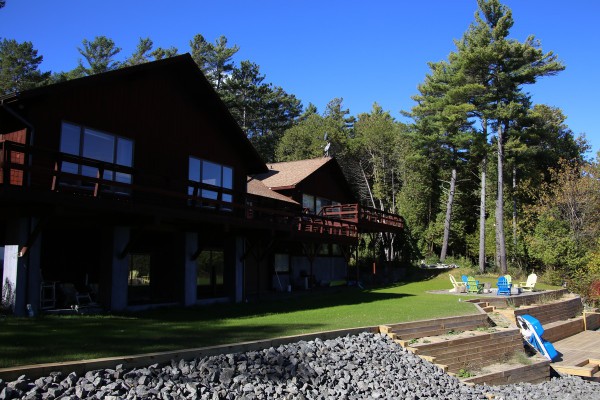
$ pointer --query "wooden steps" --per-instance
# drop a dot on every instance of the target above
(589, 368)
(485, 306)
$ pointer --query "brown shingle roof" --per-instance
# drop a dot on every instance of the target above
(257, 188)
(289, 174)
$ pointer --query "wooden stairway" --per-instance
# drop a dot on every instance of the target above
(485, 306)
(589, 368)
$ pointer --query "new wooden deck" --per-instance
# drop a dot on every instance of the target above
(579, 355)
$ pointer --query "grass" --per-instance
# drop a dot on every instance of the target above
(66, 338)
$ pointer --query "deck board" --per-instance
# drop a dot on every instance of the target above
(578, 348)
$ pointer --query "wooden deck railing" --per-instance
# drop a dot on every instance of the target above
(54, 171)
(365, 217)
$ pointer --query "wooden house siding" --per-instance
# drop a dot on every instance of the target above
(327, 182)
(168, 122)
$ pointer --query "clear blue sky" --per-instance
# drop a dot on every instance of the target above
(364, 52)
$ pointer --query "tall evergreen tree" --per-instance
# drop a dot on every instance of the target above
(263, 111)
(159, 53)
(502, 65)
(19, 67)
(215, 60)
(99, 54)
(442, 116)
(142, 53)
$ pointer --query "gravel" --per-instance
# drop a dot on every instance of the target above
(365, 366)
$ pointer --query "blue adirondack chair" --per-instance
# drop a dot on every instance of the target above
(504, 286)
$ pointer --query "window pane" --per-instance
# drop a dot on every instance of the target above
(209, 194)
(70, 168)
(123, 178)
(194, 170)
(98, 145)
(308, 201)
(69, 139)
(218, 266)
(211, 173)
(227, 178)
(227, 198)
(319, 204)
(139, 270)
(282, 263)
(124, 152)
(93, 172)
(89, 171)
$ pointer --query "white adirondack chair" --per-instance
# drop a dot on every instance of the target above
(530, 284)
(458, 287)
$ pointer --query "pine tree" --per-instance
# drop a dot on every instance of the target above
(502, 66)
(99, 54)
(19, 67)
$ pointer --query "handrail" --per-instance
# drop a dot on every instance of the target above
(361, 215)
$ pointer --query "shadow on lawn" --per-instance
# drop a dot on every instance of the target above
(304, 302)
(50, 338)
(68, 340)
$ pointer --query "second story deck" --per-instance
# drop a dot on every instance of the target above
(34, 177)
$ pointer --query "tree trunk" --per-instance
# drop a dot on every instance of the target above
(367, 183)
(514, 212)
(448, 215)
(500, 205)
(482, 218)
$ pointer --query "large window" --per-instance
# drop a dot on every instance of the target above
(85, 142)
(216, 180)
(211, 273)
(315, 203)
(138, 281)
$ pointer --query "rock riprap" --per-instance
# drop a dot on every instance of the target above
(364, 366)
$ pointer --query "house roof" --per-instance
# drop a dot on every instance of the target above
(196, 85)
(289, 174)
(257, 188)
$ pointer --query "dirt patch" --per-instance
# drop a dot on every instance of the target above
(455, 335)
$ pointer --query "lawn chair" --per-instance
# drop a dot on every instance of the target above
(458, 287)
(530, 284)
(508, 279)
(71, 297)
(504, 286)
(473, 286)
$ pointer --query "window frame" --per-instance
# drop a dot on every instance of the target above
(109, 175)
(223, 192)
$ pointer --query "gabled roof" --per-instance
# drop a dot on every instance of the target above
(291, 173)
(257, 188)
(194, 84)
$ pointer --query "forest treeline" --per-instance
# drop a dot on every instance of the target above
(480, 174)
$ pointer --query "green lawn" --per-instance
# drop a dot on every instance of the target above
(63, 338)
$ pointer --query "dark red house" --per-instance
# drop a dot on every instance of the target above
(138, 187)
